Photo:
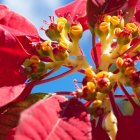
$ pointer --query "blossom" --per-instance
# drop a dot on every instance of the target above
(101, 21)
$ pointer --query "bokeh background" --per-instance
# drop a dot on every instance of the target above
(37, 11)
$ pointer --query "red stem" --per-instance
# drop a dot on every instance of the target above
(94, 51)
(55, 77)
(128, 96)
(116, 110)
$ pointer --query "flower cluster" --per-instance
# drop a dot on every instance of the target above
(28, 60)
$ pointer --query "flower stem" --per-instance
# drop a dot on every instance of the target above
(58, 76)
(116, 110)
(128, 96)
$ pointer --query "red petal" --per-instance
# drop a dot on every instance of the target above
(97, 8)
(16, 23)
(136, 17)
(55, 118)
(8, 94)
(12, 56)
(74, 11)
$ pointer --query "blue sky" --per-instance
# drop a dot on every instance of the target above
(37, 11)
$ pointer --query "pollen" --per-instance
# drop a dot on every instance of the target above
(104, 26)
(34, 59)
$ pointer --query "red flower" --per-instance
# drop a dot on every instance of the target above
(128, 126)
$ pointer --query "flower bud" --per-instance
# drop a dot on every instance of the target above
(46, 46)
(107, 18)
(97, 104)
(130, 70)
(89, 72)
(119, 62)
(91, 86)
(34, 59)
(61, 23)
(133, 28)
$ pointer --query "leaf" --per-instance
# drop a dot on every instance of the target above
(97, 8)
(8, 94)
(17, 24)
(74, 11)
(9, 115)
(55, 118)
(12, 56)
(136, 17)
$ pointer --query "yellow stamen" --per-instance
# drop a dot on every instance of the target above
(132, 27)
(97, 103)
(102, 74)
(130, 70)
(45, 46)
(117, 31)
(34, 59)
(104, 26)
(60, 26)
(115, 20)
(91, 86)
(107, 18)
(62, 19)
(89, 72)
(119, 62)
(63, 45)
(76, 30)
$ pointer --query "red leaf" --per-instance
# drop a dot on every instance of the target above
(12, 56)
(8, 94)
(10, 135)
(96, 54)
(55, 118)
(97, 8)
(9, 114)
(75, 11)
(17, 24)
(136, 17)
